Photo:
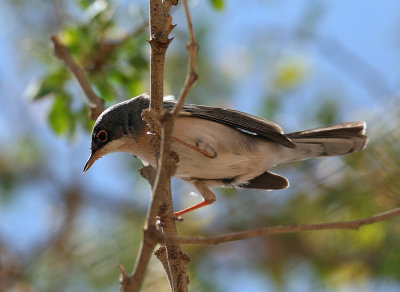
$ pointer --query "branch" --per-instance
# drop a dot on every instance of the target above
(96, 104)
(132, 283)
(191, 76)
(166, 119)
(161, 124)
(161, 255)
(177, 261)
(161, 203)
(352, 225)
(160, 27)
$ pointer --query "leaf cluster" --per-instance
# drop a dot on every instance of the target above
(114, 59)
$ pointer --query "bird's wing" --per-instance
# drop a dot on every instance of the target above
(246, 123)
(267, 181)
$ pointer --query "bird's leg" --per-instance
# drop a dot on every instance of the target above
(208, 196)
(201, 147)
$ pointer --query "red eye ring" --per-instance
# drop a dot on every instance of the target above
(102, 136)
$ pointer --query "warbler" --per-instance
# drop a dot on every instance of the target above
(220, 147)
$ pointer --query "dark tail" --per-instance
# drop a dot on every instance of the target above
(335, 140)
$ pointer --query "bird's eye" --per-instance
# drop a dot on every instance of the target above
(102, 136)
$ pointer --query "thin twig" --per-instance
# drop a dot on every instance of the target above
(133, 282)
(191, 75)
(96, 104)
(352, 225)
(161, 255)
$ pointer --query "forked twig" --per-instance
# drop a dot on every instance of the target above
(352, 225)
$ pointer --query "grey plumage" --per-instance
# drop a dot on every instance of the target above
(334, 140)
(240, 121)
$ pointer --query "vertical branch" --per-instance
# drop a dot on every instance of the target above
(177, 260)
(160, 27)
(170, 254)
(161, 124)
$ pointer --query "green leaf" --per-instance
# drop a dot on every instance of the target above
(103, 88)
(78, 39)
(84, 4)
(218, 4)
(50, 84)
(60, 114)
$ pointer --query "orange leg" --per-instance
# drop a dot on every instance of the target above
(194, 207)
(204, 191)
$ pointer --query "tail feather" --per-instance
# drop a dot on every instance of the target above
(335, 140)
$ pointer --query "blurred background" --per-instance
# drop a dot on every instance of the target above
(301, 64)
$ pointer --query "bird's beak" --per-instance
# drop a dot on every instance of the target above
(93, 157)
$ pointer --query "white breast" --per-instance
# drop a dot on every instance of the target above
(238, 154)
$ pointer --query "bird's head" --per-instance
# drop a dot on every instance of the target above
(118, 129)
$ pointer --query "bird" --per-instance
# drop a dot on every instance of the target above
(220, 147)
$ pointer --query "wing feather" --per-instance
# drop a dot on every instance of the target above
(246, 123)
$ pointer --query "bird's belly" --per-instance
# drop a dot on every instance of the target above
(236, 154)
(223, 166)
